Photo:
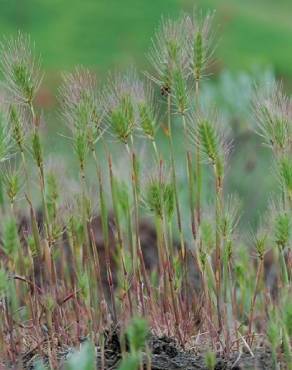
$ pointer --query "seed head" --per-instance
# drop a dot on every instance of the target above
(207, 135)
(121, 100)
(79, 103)
(168, 53)
(17, 124)
(201, 46)
(6, 143)
(147, 117)
(20, 68)
(280, 223)
(159, 197)
(180, 91)
(259, 242)
(10, 238)
(273, 113)
(11, 176)
(283, 229)
(37, 149)
(230, 217)
(284, 168)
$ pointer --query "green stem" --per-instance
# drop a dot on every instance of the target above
(119, 232)
(198, 161)
(218, 264)
(174, 178)
(252, 306)
(285, 275)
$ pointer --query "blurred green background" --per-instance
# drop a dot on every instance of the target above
(254, 43)
(105, 34)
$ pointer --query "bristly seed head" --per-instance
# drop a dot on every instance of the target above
(207, 135)
(127, 105)
(147, 117)
(273, 112)
(259, 240)
(159, 198)
(6, 142)
(17, 123)
(201, 46)
(20, 68)
(280, 221)
(169, 53)
(285, 174)
(79, 103)
(12, 177)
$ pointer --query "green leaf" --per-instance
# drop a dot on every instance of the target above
(83, 359)
(130, 363)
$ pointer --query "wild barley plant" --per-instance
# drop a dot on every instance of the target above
(52, 270)
(273, 110)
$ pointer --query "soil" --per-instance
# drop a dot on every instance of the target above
(166, 355)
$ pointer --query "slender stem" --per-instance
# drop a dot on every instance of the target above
(119, 232)
(138, 249)
(218, 267)
(198, 161)
(170, 264)
(284, 270)
(85, 254)
(174, 178)
(252, 306)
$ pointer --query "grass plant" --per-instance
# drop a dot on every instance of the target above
(73, 263)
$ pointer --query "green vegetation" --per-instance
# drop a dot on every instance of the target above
(73, 261)
(105, 34)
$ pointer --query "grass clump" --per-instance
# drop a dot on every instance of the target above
(76, 264)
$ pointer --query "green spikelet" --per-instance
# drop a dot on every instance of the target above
(17, 128)
(122, 119)
(209, 140)
(180, 91)
(5, 139)
(285, 170)
(81, 147)
(37, 149)
(20, 68)
(21, 75)
(280, 132)
(211, 146)
(160, 199)
(154, 199)
(84, 110)
(147, 120)
(260, 245)
(52, 194)
(10, 238)
(168, 199)
(282, 229)
(12, 185)
(198, 55)
(173, 48)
